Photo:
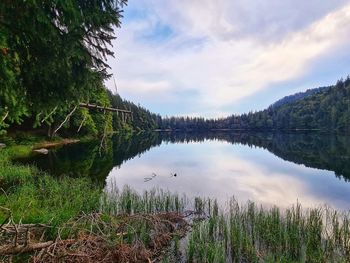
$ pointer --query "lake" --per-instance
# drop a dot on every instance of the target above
(267, 168)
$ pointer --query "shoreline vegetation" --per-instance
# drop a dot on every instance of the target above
(53, 68)
(41, 223)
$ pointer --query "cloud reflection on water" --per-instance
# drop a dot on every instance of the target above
(222, 170)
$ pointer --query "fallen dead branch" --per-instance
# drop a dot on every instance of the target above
(97, 238)
(11, 250)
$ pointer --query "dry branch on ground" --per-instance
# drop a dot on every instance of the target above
(96, 238)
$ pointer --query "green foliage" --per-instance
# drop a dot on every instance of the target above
(52, 56)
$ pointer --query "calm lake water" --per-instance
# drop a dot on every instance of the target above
(267, 168)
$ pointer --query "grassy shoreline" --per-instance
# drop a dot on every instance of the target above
(157, 225)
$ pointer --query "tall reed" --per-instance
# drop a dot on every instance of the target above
(251, 233)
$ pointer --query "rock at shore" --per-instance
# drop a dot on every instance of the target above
(2, 145)
(42, 151)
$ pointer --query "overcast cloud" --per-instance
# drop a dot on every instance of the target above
(214, 58)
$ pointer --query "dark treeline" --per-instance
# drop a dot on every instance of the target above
(321, 109)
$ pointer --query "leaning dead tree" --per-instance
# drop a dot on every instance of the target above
(125, 114)
(94, 106)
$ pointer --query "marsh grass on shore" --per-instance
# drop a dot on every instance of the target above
(129, 201)
(243, 233)
(252, 233)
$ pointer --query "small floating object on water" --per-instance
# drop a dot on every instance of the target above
(2, 145)
(42, 151)
(173, 175)
(146, 179)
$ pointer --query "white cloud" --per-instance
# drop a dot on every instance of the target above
(213, 54)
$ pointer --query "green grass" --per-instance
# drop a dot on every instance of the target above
(35, 197)
(12, 175)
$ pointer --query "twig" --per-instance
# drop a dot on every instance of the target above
(81, 125)
(103, 137)
(65, 120)
(48, 116)
(4, 118)
(16, 236)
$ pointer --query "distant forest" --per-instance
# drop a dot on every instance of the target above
(326, 108)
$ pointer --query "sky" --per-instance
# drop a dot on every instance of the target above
(214, 58)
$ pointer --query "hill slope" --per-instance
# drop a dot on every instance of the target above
(325, 109)
(298, 96)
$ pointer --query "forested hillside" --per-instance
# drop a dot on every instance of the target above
(322, 109)
(141, 120)
(297, 96)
